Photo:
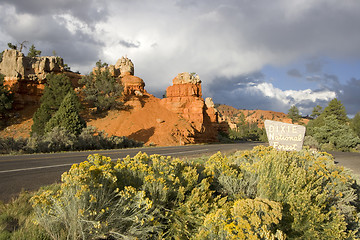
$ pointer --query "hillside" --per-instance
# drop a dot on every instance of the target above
(183, 117)
(232, 116)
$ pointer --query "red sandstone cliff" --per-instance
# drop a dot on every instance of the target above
(26, 76)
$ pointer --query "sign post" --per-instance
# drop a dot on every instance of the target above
(285, 136)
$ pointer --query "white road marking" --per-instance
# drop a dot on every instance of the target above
(35, 168)
(70, 164)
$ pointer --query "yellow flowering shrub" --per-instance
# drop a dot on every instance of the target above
(257, 194)
(244, 219)
(319, 198)
(89, 205)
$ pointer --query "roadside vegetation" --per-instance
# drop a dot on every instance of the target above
(257, 194)
(332, 130)
(61, 139)
(246, 131)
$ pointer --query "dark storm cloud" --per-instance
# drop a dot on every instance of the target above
(349, 96)
(235, 92)
(130, 44)
(348, 93)
(69, 35)
(86, 10)
(314, 66)
(295, 73)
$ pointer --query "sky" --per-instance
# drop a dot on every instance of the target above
(249, 54)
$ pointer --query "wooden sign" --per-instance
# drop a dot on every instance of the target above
(285, 136)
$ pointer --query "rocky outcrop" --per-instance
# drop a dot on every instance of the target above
(26, 76)
(124, 66)
(184, 98)
(123, 70)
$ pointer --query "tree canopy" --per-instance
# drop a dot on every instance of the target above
(56, 88)
(33, 52)
(336, 108)
(355, 124)
(294, 114)
(316, 111)
(332, 130)
(67, 116)
(6, 99)
(102, 89)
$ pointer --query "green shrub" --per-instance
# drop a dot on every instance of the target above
(60, 139)
(311, 142)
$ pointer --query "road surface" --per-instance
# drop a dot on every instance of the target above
(29, 172)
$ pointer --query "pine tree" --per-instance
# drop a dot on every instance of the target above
(6, 100)
(355, 124)
(294, 114)
(335, 134)
(101, 88)
(316, 111)
(33, 52)
(336, 108)
(67, 116)
(41, 117)
(56, 88)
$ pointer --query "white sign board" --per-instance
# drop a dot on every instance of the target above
(285, 136)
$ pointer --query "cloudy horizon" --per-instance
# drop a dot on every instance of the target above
(248, 54)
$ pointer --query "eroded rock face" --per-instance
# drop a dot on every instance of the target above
(133, 85)
(26, 75)
(124, 66)
(184, 97)
(123, 70)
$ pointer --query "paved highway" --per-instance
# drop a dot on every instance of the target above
(29, 172)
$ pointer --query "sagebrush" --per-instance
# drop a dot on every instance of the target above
(257, 194)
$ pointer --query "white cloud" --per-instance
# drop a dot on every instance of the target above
(292, 97)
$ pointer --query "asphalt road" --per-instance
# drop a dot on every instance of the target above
(29, 172)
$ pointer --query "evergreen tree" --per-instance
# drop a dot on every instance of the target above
(6, 100)
(336, 108)
(67, 116)
(294, 114)
(336, 135)
(101, 88)
(316, 111)
(355, 124)
(41, 117)
(33, 52)
(56, 88)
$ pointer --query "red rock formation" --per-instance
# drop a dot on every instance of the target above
(26, 76)
(183, 117)
(132, 85)
(184, 98)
